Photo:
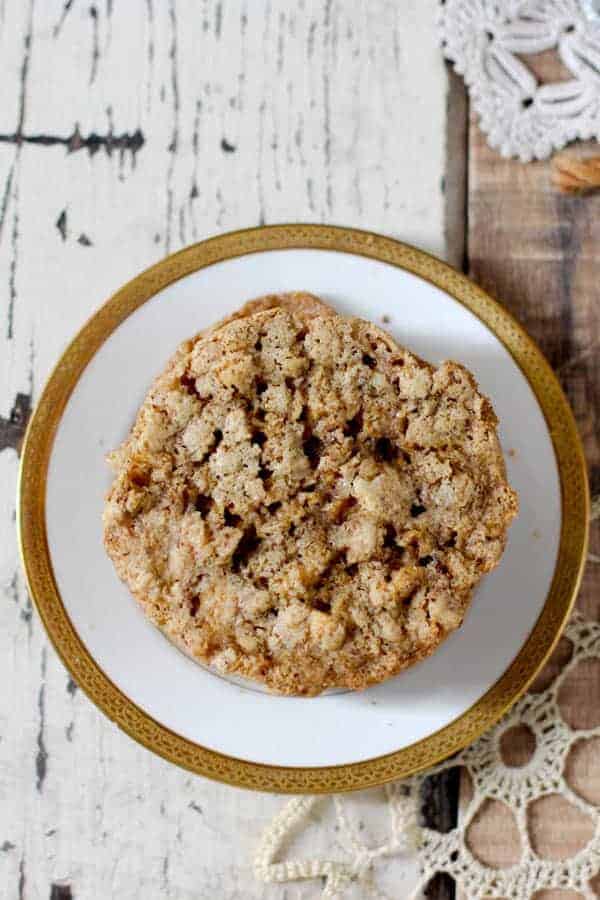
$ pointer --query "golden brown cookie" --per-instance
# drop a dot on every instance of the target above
(305, 503)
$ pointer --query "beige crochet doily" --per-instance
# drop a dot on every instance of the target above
(357, 863)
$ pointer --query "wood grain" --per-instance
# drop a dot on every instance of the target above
(536, 251)
(129, 128)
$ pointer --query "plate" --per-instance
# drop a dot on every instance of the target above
(231, 731)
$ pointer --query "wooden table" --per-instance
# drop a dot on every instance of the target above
(127, 130)
(536, 250)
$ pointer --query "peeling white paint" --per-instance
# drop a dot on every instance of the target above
(248, 112)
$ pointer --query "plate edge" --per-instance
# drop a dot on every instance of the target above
(480, 716)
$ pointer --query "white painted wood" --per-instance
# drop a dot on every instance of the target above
(206, 116)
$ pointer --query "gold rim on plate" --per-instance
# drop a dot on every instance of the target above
(133, 720)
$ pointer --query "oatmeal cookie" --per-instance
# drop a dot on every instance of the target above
(303, 502)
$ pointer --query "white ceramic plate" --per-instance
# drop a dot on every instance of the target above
(104, 380)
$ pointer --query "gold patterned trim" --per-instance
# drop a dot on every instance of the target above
(489, 708)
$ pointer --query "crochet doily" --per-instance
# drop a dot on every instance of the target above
(357, 862)
(486, 40)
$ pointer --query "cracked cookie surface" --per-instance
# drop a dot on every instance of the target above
(305, 503)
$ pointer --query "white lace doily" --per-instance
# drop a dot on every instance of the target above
(356, 859)
(485, 40)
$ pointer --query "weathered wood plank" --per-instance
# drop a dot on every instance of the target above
(127, 130)
(456, 179)
(536, 251)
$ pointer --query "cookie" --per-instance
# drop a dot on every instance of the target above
(305, 503)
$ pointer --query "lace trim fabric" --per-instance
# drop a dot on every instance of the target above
(492, 779)
(486, 40)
